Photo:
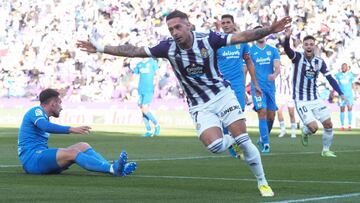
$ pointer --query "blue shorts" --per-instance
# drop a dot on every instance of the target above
(145, 98)
(267, 101)
(43, 162)
(348, 102)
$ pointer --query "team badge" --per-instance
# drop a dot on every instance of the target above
(38, 112)
(237, 46)
(204, 53)
(268, 53)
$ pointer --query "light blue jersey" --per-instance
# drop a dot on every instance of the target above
(345, 81)
(263, 59)
(31, 137)
(146, 70)
(230, 62)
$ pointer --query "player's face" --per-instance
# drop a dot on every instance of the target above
(344, 68)
(180, 30)
(56, 107)
(227, 25)
(309, 48)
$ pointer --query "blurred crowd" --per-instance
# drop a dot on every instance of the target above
(38, 37)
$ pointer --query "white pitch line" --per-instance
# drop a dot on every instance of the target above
(320, 198)
(205, 157)
(245, 179)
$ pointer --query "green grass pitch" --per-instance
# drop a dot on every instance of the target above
(175, 167)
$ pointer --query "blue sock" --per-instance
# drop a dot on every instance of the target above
(342, 118)
(91, 152)
(349, 117)
(147, 123)
(151, 117)
(264, 132)
(270, 125)
(91, 163)
(225, 130)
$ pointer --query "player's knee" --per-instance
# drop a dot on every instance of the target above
(313, 128)
(327, 124)
(217, 146)
(83, 146)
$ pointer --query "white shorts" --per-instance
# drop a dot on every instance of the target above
(224, 110)
(312, 110)
(287, 100)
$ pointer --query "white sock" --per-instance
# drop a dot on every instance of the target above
(306, 130)
(293, 128)
(327, 138)
(228, 140)
(111, 169)
(252, 157)
(282, 126)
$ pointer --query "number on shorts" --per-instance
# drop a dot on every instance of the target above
(303, 110)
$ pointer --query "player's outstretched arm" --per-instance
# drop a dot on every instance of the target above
(126, 50)
(255, 34)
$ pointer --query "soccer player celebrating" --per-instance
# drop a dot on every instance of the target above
(230, 62)
(266, 59)
(345, 78)
(147, 71)
(306, 68)
(211, 101)
(37, 158)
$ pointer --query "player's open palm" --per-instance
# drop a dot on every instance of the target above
(80, 130)
(280, 25)
(86, 46)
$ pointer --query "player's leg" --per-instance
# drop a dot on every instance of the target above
(291, 110)
(323, 115)
(87, 149)
(76, 154)
(305, 112)
(146, 119)
(271, 109)
(349, 116)
(342, 117)
(234, 119)
(281, 121)
(146, 101)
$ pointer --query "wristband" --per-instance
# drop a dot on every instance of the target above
(97, 45)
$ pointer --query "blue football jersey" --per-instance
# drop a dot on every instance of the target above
(146, 70)
(30, 136)
(263, 59)
(345, 81)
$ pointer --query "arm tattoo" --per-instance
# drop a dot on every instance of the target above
(126, 50)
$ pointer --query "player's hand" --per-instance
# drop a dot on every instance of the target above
(86, 46)
(272, 77)
(258, 91)
(280, 25)
(343, 98)
(80, 130)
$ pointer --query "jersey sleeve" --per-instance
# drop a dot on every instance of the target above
(324, 70)
(219, 39)
(37, 114)
(246, 51)
(136, 70)
(276, 54)
(158, 51)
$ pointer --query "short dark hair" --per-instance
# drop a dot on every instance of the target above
(258, 26)
(228, 16)
(177, 14)
(47, 94)
(309, 37)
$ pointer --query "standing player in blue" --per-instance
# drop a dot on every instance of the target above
(37, 158)
(211, 101)
(345, 79)
(147, 71)
(267, 67)
(306, 68)
(230, 62)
